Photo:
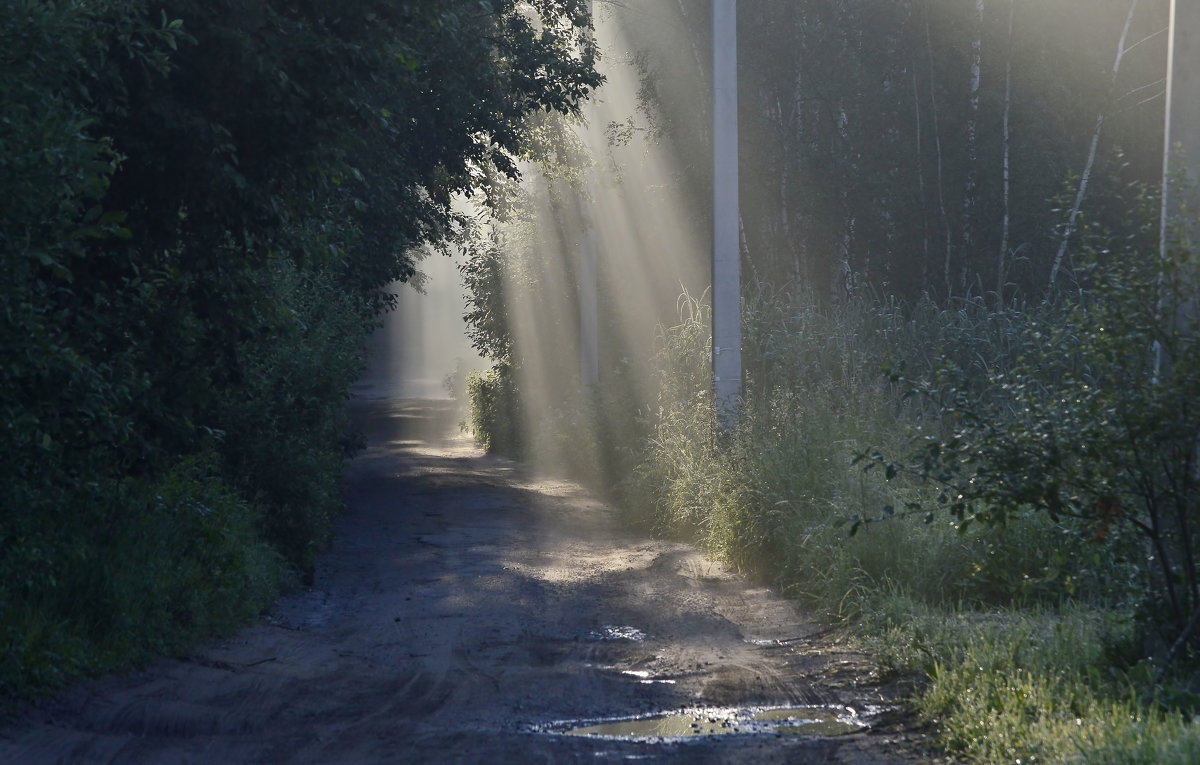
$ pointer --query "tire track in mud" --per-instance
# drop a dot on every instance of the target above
(466, 608)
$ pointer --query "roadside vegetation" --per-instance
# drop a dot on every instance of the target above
(203, 207)
(969, 431)
(997, 501)
(1030, 558)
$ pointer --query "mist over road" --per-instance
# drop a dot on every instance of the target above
(466, 612)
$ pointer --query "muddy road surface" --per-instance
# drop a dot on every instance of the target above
(472, 612)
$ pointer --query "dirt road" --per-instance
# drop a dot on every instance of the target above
(470, 612)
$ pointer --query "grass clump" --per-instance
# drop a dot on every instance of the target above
(1034, 685)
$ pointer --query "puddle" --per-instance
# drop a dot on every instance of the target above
(645, 677)
(812, 721)
(788, 721)
(611, 632)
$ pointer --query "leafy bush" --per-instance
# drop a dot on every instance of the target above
(286, 427)
(1083, 427)
(121, 570)
(1025, 633)
(495, 413)
(199, 218)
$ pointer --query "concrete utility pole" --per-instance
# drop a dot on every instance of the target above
(589, 364)
(1181, 144)
(726, 254)
(1183, 109)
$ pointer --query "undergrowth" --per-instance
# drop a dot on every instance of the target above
(1035, 684)
(157, 564)
(1029, 635)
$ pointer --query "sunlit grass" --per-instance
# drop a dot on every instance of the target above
(1031, 685)
(1019, 639)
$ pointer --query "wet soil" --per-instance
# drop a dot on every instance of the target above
(470, 611)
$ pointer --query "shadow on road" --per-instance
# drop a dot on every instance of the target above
(467, 612)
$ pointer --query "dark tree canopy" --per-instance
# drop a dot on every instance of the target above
(202, 205)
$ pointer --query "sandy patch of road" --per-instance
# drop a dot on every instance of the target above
(466, 612)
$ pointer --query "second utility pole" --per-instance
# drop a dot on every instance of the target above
(589, 364)
(726, 253)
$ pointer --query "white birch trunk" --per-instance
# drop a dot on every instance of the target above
(1182, 125)
(697, 59)
(937, 142)
(969, 188)
(1006, 172)
(589, 364)
(921, 183)
(794, 136)
(841, 285)
(1081, 192)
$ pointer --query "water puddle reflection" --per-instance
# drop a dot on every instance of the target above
(613, 632)
(645, 677)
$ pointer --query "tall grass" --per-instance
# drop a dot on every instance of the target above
(775, 499)
(1022, 632)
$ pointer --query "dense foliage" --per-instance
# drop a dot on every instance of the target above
(202, 205)
(1023, 550)
(1091, 421)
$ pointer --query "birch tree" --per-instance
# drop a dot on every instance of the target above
(1085, 177)
(970, 186)
(943, 129)
(1005, 166)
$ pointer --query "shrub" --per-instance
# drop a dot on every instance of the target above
(147, 566)
(1083, 427)
(495, 415)
(286, 426)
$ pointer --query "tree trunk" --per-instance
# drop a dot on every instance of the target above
(969, 187)
(1001, 265)
(1081, 192)
(1182, 124)
(921, 182)
(937, 142)
(697, 59)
